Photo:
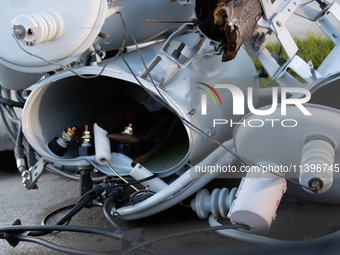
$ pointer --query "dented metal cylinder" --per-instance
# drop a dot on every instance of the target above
(85, 99)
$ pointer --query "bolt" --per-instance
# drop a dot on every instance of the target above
(316, 187)
(25, 174)
(279, 23)
(262, 37)
(17, 32)
(192, 111)
(256, 47)
(177, 53)
(115, 214)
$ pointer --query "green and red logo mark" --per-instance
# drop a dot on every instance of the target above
(204, 97)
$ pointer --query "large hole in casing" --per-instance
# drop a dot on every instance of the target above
(76, 101)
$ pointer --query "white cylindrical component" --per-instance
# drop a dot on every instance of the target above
(217, 204)
(257, 200)
(139, 172)
(79, 28)
(40, 27)
(317, 164)
(186, 185)
(102, 145)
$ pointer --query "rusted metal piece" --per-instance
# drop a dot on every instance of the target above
(133, 139)
(123, 138)
(229, 22)
(237, 19)
(102, 35)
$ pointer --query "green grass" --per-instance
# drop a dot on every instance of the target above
(312, 47)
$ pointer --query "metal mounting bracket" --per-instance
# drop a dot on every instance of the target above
(31, 176)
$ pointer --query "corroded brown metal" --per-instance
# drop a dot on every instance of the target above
(133, 139)
(237, 19)
(229, 22)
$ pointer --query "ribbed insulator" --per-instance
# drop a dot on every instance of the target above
(317, 164)
(39, 27)
(218, 203)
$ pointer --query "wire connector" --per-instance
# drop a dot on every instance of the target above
(12, 238)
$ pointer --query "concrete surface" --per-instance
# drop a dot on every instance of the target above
(5, 142)
(296, 220)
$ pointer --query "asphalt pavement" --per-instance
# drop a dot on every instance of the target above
(296, 220)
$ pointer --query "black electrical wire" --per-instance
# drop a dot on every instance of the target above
(57, 247)
(184, 233)
(51, 228)
(55, 212)
(80, 205)
(10, 102)
(109, 216)
(88, 196)
(18, 94)
(68, 215)
(102, 188)
(11, 234)
(8, 96)
(13, 230)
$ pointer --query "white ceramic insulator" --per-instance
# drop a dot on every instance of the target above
(139, 172)
(40, 27)
(317, 163)
(102, 145)
(257, 200)
(217, 204)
